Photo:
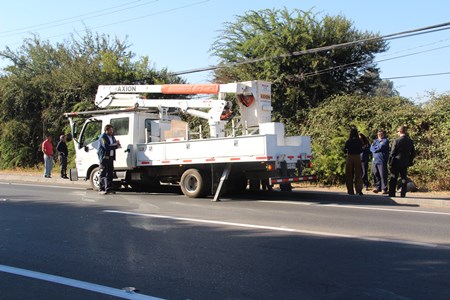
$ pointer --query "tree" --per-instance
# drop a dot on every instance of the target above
(44, 81)
(385, 88)
(302, 81)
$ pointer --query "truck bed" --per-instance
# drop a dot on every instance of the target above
(219, 150)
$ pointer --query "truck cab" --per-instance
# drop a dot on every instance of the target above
(130, 128)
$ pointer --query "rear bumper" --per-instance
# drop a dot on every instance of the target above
(291, 179)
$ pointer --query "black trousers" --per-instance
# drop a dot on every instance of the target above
(63, 165)
(365, 173)
(395, 171)
(106, 174)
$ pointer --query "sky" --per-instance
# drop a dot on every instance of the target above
(178, 34)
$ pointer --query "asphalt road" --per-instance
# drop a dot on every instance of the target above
(260, 246)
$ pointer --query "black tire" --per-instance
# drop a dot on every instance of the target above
(194, 184)
(94, 179)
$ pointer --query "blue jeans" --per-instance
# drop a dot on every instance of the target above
(48, 160)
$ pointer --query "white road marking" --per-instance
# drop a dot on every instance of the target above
(44, 185)
(359, 207)
(283, 229)
(76, 283)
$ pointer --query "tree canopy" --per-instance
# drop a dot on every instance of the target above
(301, 81)
(43, 81)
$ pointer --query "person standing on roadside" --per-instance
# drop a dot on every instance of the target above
(401, 157)
(353, 170)
(63, 152)
(365, 157)
(47, 148)
(380, 151)
(106, 156)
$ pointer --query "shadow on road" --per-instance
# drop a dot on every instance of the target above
(176, 259)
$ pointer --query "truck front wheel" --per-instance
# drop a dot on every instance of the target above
(194, 184)
(94, 179)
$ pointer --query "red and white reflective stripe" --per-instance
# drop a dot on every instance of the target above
(210, 160)
(291, 179)
(264, 157)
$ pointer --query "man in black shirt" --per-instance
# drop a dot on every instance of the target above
(62, 155)
(353, 169)
(401, 157)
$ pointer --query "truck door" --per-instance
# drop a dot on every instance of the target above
(123, 133)
(88, 147)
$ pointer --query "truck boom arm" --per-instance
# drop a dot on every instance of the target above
(252, 97)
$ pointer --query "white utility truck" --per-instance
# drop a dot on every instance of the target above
(241, 147)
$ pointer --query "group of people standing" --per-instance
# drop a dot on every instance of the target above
(106, 155)
(47, 149)
(399, 157)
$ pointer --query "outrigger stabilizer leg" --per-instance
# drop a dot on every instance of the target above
(224, 177)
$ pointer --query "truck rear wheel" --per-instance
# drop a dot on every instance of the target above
(194, 184)
(94, 179)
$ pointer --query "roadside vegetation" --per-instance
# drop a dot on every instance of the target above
(321, 94)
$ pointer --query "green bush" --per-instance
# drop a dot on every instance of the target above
(429, 127)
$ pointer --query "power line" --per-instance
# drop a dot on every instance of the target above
(417, 47)
(131, 19)
(408, 33)
(420, 75)
(324, 71)
(154, 14)
(82, 17)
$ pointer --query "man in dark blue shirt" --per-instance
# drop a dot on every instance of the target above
(106, 156)
(380, 151)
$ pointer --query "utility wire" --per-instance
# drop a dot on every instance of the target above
(324, 71)
(408, 33)
(56, 23)
(420, 75)
(132, 19)
(154, 14)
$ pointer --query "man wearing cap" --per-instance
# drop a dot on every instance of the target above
(380, 151)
